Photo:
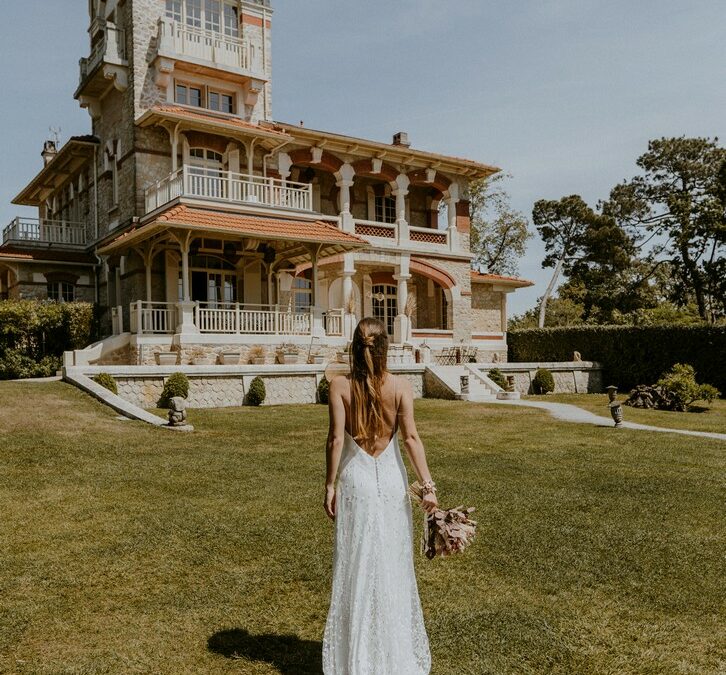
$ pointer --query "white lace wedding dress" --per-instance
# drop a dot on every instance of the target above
(375, 623)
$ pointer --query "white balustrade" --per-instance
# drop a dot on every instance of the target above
(247, 319)
(111, 48)
(149, 318)
(231, 187)
(40, 231)
(180, 39)
(334, 322)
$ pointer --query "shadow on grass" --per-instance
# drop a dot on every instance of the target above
(288, 653)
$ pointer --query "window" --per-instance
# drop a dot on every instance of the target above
(194, 13)
(212, 16)
(385, 209)
(206, 156)
(61, 291)
(174, 9)
(189, 95)
(231, 22)
(220, 102)
(385, 304)
(444, 311)
(303, 290)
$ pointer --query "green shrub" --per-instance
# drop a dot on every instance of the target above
(176, 385)
(256, 394)
(323, 391)
(543, 382)
(496, 376)
(680, 386)
(629, 355)
(34, 332)
(14, 365)
(107, 382)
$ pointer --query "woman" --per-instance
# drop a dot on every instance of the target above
(375, 623)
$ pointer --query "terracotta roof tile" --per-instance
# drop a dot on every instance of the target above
(45, 254)
(210, 116)
(299, 230)
(484, 277)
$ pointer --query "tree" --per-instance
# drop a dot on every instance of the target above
(561, 224)
(677, 207)
(499, 234)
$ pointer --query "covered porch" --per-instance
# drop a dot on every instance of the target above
(197, 273)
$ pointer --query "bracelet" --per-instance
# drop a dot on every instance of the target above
(429, 487)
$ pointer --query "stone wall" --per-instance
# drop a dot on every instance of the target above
(433, 387)
(486, 306)
(577, 377)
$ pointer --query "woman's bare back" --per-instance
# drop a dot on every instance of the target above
(390, 397)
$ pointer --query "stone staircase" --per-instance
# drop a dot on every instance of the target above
(446, 381)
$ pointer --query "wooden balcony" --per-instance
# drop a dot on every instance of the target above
(224, 186)
(37, 232)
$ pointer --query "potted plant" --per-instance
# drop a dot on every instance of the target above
(201, 358)
(316, 357)
(344, 355)
(166, 358)
(257, 355)
(230, 358)
(288, 353)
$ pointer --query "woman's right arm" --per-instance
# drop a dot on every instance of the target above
(334, 445)
(412, 442)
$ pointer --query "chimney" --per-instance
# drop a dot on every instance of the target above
(401, 138)
(49, 151)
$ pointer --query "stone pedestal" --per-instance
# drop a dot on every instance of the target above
(185, 318)
(401, 329)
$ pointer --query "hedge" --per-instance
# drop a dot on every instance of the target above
(630, 355)
(35, 332)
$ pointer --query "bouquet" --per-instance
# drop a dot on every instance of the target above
(445, 532)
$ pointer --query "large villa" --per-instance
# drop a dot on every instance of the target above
(201, 225)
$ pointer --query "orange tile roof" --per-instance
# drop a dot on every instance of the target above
(497, 278)
(210, 116)
(299, 230)
(44, 254)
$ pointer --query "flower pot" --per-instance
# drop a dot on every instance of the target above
(166, 358)
(287, 358)
(203, 360)
(317, 358)
(258, 361)
(343, 357)
(229, 358)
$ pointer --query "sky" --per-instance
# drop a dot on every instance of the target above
(561, 94)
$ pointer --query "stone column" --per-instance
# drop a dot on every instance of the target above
(349, 318)
(185, 309)
(345, 178)
(401, 324)
(400, 192)
(451, 201)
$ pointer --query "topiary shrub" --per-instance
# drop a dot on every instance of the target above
(680, 387)
(107, 382)
(257, 392)
(543, 382)
(496, 376)
(323, 391)
(176, 385)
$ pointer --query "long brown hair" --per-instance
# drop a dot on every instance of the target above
(368, 356)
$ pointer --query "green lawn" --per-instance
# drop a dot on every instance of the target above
(130, 549)
(701, 418)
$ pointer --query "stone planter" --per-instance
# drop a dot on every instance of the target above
(203, 361)
(229, 358)
(258, 361)
(166, 358)
(287, 358)
(317, 358)
(343, 357)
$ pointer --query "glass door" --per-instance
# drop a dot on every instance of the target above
(385, 304)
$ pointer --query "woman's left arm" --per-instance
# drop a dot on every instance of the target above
(334, 446)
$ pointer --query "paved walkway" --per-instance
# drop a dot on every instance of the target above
(571, 413)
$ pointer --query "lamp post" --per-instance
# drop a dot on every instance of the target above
(616, 408)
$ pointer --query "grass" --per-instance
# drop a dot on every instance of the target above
(130, 549)
(700, 418)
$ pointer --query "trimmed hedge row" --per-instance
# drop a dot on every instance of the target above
(630, 355)
(34, 335)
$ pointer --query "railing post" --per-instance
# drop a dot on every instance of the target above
(139, 318)
(237, 319)
(277, 319)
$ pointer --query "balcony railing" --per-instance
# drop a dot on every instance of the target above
(229, 187)
(153, 318)
(111, 48)
(251, 319)
(416, 235)
(333, 322)
(181, 40)
(37, 231)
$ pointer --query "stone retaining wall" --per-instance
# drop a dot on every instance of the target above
(575, 377)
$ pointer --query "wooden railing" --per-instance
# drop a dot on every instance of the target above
(39, 231)
(428, 235)
(251, 319)
(206, 45)
(150, 318)
(231, 187)
(333, 322)
(371, 228)
(423, 235)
